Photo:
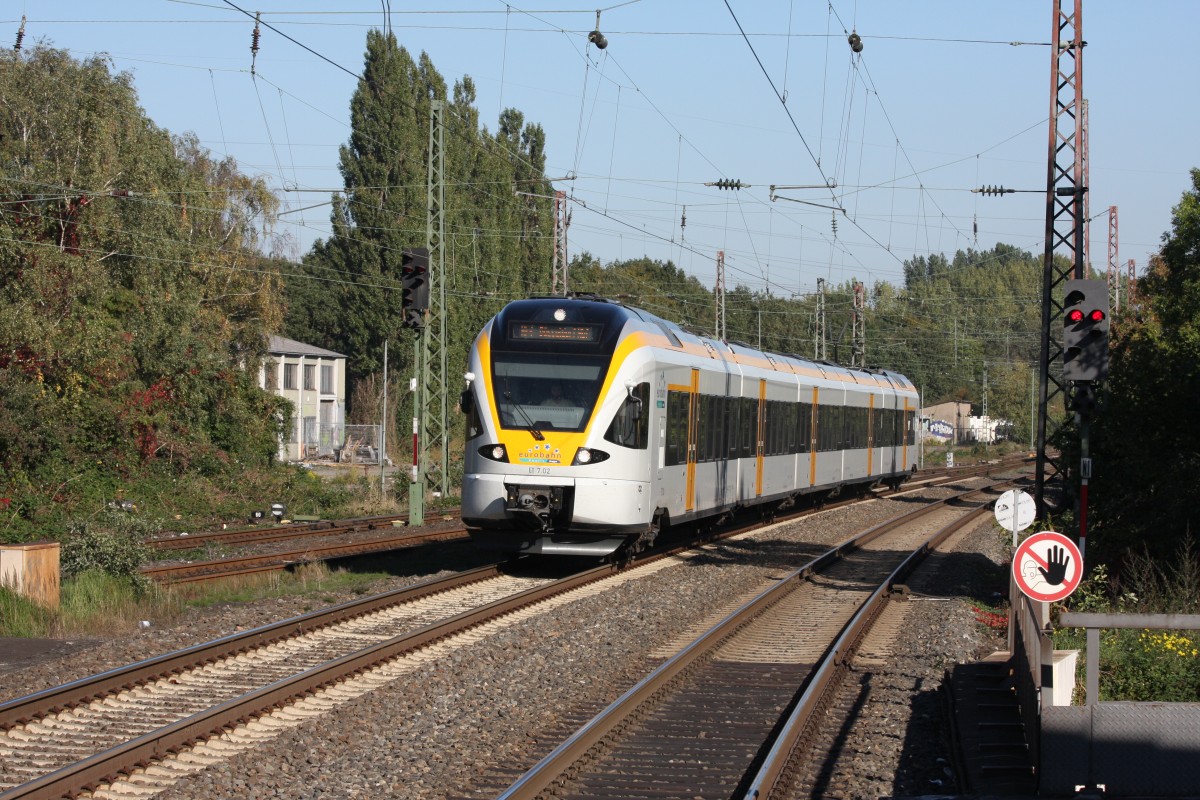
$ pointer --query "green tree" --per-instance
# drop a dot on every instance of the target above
(133, 300)
(1145, 446)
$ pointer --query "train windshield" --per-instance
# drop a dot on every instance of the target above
(542, 391)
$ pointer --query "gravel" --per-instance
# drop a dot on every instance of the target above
(501, 704)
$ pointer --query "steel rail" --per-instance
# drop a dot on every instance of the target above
(84, 690)
(104, 766)
(248, 565)
(541, 777)
(111, 764)
(767, 779)
(268, 562)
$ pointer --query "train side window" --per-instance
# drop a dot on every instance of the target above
(710, 442)
(803, 427)
(733, 408)
(749, 424)
(474, 423)
(703, 429)
(631, 424)
(677, 422)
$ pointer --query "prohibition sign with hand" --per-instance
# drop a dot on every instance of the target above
(1047, 566)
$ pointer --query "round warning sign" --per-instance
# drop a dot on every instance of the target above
(1015, 510)
(1047, 566)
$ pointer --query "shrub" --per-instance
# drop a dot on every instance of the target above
(112, 544)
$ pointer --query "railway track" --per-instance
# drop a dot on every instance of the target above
(321, 545)
(730, 713)
(165, 716)
(327, 540)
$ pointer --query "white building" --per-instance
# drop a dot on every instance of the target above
(314, 380)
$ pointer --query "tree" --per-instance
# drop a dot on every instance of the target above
(1145, 447)
(134, 304)
(498, 230)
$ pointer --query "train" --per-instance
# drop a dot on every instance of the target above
(592, 426)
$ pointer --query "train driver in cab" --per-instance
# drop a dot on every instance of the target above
(556, 398)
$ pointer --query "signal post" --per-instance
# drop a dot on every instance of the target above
(414, 300)
(1085, 363)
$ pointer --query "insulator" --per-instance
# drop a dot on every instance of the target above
(254, 37)
(20, 35)
(833, 221)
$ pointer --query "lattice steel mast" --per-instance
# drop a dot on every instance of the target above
(431, 472)
(1065, 191)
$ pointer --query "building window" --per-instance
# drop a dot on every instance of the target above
(326, 379)
(289, 376)
(310, 377)
(271, 373)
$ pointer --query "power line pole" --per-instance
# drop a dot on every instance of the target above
(858, 329)
(430, 439)
(1132, 285)
(1114, 269)
(1087, 181)
(819, 334)
(1065, 190)
(558, 270)
(719, 297)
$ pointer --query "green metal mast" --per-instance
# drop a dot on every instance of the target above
(435, 336)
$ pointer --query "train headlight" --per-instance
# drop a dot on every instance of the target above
(586, 455)
(495, 452)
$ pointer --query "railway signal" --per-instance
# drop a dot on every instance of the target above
(414, 286)
(1085, 330)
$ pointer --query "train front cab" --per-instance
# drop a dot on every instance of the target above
(564, 473)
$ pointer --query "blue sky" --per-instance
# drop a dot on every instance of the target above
(939, 101)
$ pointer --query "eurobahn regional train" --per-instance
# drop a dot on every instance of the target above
(591, 425)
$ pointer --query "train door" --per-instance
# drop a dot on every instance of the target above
(760, 436)
(812, 439)
(871, 412)
(693, 432)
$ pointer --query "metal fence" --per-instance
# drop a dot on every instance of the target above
(1132, 749)
(354, 444)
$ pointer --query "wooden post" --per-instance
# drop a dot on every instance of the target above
(32, 570)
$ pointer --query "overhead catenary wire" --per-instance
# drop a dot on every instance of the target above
(744, 209)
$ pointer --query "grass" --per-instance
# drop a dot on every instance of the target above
(96, 604)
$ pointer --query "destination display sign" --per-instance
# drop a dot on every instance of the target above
(545, 332)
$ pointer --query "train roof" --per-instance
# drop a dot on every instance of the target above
(679, 336)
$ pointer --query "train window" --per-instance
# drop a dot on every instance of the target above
(803, 427)
(831, 428)
(856, 428)
(631, 424)
(733, 430)
(677, 428)
(749, 420)
(720, 428)
(710, 428)
(777, 417)
(474, 424)
(554, 391)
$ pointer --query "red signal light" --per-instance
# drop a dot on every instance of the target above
(1096, 316)
(1075, 315)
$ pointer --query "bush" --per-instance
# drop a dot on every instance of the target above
(112, 544)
